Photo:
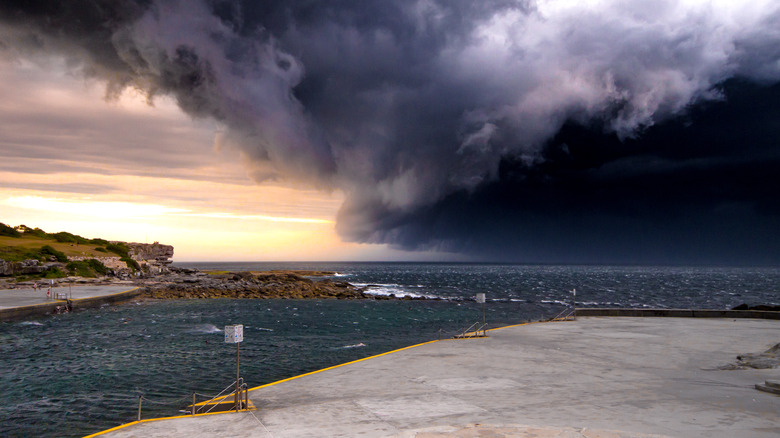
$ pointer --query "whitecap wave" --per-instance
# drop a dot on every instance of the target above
(354, 346)
(205, 329)
(30, 323)
(393, 290)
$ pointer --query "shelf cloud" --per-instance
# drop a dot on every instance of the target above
(574, 131)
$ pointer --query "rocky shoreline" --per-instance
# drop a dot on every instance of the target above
(187, 283)
(182, 283)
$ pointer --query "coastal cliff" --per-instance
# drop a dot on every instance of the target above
(31, 253)
(155, 256)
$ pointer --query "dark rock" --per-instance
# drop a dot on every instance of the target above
(764, 307)
(26, 267)
(180, 283)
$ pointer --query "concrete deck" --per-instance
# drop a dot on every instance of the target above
(594, 377)
(27, 297)
(19, 303)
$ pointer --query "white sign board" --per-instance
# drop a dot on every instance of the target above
(481, 298)
(234, 333)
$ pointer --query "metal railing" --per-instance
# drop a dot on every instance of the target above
(476, 330)
(569, 313)
(240, 398)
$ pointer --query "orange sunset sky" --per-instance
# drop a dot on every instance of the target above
(165, 179)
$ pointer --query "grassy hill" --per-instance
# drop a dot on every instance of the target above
(12, 249)
(34, 243)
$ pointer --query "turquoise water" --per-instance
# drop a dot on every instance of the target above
(79, 373)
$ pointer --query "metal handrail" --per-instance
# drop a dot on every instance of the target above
(221, 395)
(463, 335)
(565, 314)
(472, 332)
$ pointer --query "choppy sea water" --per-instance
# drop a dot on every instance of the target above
(79, 373)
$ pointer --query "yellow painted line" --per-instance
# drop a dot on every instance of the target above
(341, 365)
(217, 401)
(109, 295)
(502, 327)
(251, 405)
(518, 325)
(35, 305)
(380, 355)
(56, 301)
(148, 420)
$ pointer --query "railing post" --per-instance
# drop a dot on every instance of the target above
(574, 304)
(140, 399)
(193, 404)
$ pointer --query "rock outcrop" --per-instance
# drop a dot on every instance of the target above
(183, 283)
(765, 307)
(25, 267)
(154, 258)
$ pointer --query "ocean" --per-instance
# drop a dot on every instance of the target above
(75, 374)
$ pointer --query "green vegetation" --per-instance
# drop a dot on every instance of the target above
(14, 254)
(132, 264)
(36, 232)
(28, 244)
(5, 230)
(43, 254)
(25, 243)
(217, 272)
(86, 268)
(54, 273)
(119, 249)
(47, 250)
(65, 237)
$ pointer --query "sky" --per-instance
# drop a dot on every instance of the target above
(597, 131)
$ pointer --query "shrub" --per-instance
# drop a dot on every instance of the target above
(86, 268)
(37, 232)
(97, 266)
(65, 237)
(102, 242)
(119, 249)
(5, 230)
(100, 249)
(132, 264)
(47, 250)
(80, 268)
(54, 273)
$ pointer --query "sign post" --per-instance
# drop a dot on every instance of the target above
(234, 334)
(481, 299)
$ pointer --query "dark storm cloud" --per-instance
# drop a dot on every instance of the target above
(703, 189)
(505, 129)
